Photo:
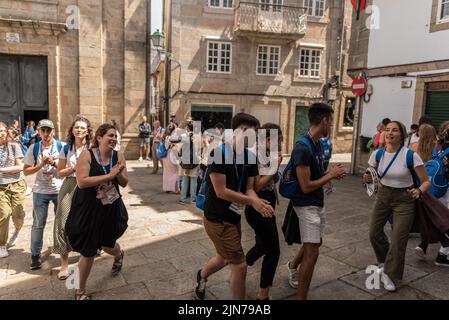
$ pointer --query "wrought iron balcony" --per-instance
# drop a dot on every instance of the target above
(270, 19)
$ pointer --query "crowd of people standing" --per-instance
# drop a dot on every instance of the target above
(82, 177)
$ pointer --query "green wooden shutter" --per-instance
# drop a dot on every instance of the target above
(438, 107)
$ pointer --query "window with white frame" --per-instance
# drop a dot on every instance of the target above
(268, 60)
(443, 11)
(226, 4)
(310, 63)
(219, 57)
(271, 5)
(315, 7)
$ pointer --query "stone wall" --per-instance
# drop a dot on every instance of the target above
(194, 24)
(98, 70)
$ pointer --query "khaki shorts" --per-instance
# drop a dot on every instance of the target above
(227, 240)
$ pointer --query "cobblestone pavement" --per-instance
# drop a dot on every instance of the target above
(166, 244)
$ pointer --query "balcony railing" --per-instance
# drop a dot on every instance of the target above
(270, 19)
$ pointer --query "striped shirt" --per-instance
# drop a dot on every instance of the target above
(8, 156)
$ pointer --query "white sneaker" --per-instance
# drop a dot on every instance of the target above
(140, 159)
(3, 252)
(388, 283)
(292, 276)
(14, 238)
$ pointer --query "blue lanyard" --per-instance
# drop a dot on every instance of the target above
(319, 155)
(240, 179)
(101, 161)
(42, 149)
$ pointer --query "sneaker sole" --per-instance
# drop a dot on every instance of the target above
(292, 285)
(35, 268)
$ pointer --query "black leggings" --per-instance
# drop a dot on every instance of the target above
(267, 240)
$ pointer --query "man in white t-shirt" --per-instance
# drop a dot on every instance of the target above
(44, 162)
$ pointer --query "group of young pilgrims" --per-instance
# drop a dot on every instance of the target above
(82, 178)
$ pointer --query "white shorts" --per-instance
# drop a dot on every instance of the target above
(312, 221)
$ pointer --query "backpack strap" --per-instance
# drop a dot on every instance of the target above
(66, 149)
(379, 154)
(59, 145)
(410, 165)
(443, 154)
(36, 148)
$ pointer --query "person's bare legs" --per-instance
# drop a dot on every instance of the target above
(214, 265)
(84, 266)
(310, 257)
(296, 261)
(64, 262)
(237, 281)
(147, 151)
(115, 252)
(141, 151)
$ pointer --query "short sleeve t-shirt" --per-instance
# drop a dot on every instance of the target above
(399, 175)
(216, 209)
(47, 179)
(71, 157)
(304, 156)
(8, 155)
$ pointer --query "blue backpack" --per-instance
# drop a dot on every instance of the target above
(161, 151)
(288, 184)
(436, 172)
(410, 165)
(37, 146)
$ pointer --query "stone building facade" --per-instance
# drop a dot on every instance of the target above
(60, 58)
(272, 59)
(406, 64)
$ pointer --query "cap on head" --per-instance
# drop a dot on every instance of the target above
(45, 123)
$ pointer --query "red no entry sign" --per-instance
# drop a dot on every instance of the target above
(359, 86)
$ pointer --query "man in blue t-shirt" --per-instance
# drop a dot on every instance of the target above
(308, 203)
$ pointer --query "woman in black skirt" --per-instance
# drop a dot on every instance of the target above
(267, 239)
(98, 216)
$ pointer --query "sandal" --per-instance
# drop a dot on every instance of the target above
(83, 296)
(118, 264)
(64, 274)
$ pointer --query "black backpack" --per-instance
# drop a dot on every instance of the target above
(194, 160)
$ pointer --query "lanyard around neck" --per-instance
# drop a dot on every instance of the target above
(319, 152)
(101, 161)
(42, 149)
(76, 150)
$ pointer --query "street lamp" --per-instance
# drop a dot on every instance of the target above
(158, 39)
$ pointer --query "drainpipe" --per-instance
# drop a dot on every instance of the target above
(148, 60)
(168, 64)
